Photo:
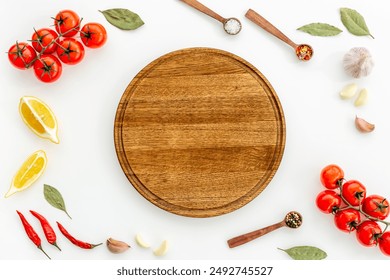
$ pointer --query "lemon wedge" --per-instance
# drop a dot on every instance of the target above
(28, 173)
(162, 250)
(39, 118)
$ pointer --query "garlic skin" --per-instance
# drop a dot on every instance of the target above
(358, 62)
(363, 126)
(116, 246)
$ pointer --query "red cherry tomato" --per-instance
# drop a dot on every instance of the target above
(376, 206)
(384, 243)
(347, 220)
(44, 40)
(67, 23)
(368, 232)
(353, 192)
(93, 35)
(331, 176)
(328, 201)
(21, 55)
(47, 68)
(70, 51)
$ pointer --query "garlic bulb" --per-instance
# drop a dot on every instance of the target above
(358, 62)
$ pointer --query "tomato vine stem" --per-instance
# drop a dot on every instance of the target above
(55, 41)
(359, 208)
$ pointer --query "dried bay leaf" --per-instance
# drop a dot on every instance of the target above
(123, 18)
(54, 197)
(354, 22)
(305, 253)
(320, 29)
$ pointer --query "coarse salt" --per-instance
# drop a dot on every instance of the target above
(232, 26)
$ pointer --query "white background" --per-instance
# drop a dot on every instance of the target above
(84, 166)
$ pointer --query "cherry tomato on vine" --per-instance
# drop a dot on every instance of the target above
(331, 176)
(384, 243)
(67, 23)
(376, 206)
(368, 232)
(70, 51)
(21, 55)
(93, 35)
(47, 68)
(328, 201)
(43, 40)
(353, 192)
(347, 219)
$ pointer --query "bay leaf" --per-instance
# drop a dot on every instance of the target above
(123, 18)
(320, 29)
(354, 22)
(305, 253)
(54, 197)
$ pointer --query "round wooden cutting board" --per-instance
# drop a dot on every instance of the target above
(199, 132)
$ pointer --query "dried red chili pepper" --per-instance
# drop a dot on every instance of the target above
(31, 233)
(47, 229)
(81, 244)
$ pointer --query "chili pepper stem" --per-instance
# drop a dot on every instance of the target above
(40, 248)
(55, 245)
(95, 245)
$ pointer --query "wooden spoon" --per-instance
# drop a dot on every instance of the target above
(292, 220)
(225, 21)
(304, 52)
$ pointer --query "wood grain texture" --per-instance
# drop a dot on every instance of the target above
(199, 132)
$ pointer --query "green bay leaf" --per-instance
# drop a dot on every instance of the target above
(354, 22)
(320, 29)
(123, 18)
(54, 198)
(305, 253)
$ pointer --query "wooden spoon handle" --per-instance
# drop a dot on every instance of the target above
(202, 8)
(266, 25)
(245, 238)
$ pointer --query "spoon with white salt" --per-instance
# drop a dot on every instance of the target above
(232, 26)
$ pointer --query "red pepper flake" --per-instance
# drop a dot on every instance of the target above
(31, 233)
(81, 244)
(304, 52)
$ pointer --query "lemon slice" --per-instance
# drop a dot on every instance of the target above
(39, 118)
(28, 173)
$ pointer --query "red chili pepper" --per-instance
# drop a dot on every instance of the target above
(31, 233)
(47, 229)
(81, 244)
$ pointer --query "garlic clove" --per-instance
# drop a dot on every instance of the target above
(362, 98)
(348, 91)
(141, 242)
(116, 246)
(363, 126)
(162, 250)
(358, 62)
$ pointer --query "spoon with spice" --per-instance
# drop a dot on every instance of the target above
(232, 26)
(292, 220)
(304, 52)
